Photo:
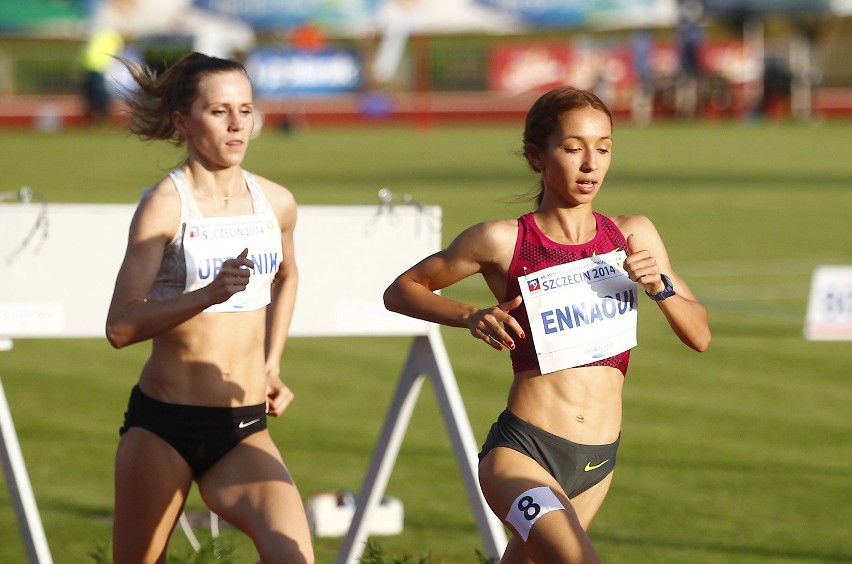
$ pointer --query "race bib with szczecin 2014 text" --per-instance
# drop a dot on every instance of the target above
(581, 311)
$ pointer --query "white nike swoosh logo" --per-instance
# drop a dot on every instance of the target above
(243, 424)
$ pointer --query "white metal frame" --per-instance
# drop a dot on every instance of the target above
(20, 489)
(427, 357)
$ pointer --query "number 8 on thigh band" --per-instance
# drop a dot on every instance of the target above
(529, 506)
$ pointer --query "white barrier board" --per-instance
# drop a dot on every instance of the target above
(829, 314)
(58, 264)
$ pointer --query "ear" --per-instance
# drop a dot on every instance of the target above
(531, 152)
(179, 123)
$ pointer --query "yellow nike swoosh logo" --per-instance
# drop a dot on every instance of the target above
(589, 466)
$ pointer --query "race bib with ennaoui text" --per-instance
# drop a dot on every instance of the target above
(581, 312)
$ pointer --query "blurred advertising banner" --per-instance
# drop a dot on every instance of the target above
(829, 314)
(739, 7)
(614, 69)
(339, 17)
(38, 14)
(292, 72)
(340, 14)
(354, 18)
(437, 16)
(587, 13)
(360, 17)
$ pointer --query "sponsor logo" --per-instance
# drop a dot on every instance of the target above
(589, 466)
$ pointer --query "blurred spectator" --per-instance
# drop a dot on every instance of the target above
(777, 81)
(642, 108)
(95, 60)
(690, 37)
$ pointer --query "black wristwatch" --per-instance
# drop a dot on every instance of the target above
(667, 292)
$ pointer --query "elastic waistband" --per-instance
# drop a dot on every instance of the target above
(165, 408)
(512, 420)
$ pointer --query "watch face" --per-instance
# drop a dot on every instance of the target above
(667, 292)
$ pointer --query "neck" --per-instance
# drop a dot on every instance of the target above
(233, 187)
(573, 228)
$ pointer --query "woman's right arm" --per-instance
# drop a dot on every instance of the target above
(479, 249)
(131, 318)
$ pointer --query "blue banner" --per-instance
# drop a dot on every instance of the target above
(266, 14)
(292, 72)
(544, 13)
(577, 13)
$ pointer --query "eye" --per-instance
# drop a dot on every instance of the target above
(572, 149)
(218, 113)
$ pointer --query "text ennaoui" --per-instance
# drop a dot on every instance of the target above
(576, 315)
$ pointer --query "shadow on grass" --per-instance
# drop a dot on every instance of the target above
(375, 554)
(727, 552)
(213, 550)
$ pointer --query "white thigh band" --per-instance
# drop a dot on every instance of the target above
(529, 506)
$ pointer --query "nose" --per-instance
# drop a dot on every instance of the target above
(590, 163)
(237, 122)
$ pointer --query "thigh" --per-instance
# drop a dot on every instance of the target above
(557, 536)
(589, 502)
(151, 485)
(251, 488)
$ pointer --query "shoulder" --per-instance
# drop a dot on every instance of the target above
(489, 241)
(634, 225)
(160, 204)
(277, 194)
(492, 232)
(281, 200)
(642, 229)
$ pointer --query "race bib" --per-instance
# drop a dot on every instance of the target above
(209, 242)
(581, 311)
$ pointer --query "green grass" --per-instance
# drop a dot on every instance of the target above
(737, 455)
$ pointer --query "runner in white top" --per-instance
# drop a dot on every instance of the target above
(214, 291)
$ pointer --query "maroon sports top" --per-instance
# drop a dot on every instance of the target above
(534, 251)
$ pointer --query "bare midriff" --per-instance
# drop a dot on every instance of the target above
(581, 404)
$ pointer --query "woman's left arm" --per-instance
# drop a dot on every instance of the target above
(647, 260)
(279, 313)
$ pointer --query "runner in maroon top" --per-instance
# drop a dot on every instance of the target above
(566, 280)
(534, 251)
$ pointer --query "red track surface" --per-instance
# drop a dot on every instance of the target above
(53, 112)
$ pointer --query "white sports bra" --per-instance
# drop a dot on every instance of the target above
(194, 257)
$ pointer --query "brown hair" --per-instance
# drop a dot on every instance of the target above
(150, 106)
(543, 119)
